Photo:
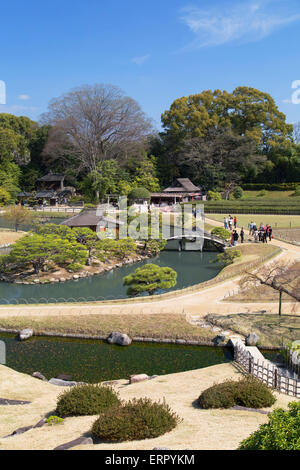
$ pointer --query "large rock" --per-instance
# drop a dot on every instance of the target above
(38, 375)
(119, 338)
(65, 377)
(62, 383)
(25, 334)
(252, 340)
(138, 378)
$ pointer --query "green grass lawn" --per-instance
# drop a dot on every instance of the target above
(276, 221)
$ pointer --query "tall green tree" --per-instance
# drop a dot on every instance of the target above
(247, 111)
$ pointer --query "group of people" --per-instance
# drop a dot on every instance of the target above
(261, 234)
(230, 222)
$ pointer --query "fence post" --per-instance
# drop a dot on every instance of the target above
(250, 365)
(275, 379)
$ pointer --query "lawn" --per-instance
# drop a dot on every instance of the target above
(170, 326)
(276, 221)
(272, 329)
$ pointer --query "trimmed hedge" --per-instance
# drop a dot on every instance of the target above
(270, 187)
(135, 420)
(248, 392)
(86, 400)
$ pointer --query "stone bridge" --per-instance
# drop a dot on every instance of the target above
(195, 240)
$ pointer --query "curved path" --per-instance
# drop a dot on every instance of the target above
(198, 303)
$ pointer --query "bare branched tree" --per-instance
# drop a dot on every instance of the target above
(279, 276)
(92, 123)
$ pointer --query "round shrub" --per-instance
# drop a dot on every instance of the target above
(248, 392)
(139, 194)
(135, 420)
(221, 233)
(281, 433)
(86, 400)
(252, 393)
(238, 193)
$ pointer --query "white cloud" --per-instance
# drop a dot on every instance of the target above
(18, 109)
(287, 101)
(24, 97)
(236, 22)
(140, 60)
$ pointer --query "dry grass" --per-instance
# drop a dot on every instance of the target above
(9, 237)
(272, 329)
(259, 294)
(199, 430)
(290, 235)
(153, 326)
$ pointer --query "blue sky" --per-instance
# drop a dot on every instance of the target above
(156, 51)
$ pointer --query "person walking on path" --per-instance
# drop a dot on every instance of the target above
(235, 238)
(230, 220)
(235, 222)
(232, 239)
(242, 235)
(250, 228)
(265, 236)
(225, 223)
(270, 233)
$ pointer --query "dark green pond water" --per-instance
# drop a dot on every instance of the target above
(192, 268)
(95, 361)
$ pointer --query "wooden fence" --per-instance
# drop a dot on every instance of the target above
(281, 380)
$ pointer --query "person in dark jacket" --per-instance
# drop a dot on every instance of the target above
(270, 233)
(235, 238)
(242, 235)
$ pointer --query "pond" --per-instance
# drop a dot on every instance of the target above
(192, 268)
(94, 361)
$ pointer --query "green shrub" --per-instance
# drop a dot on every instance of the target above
(139, 194)
(221, 233)
(227, 257)
(214, 196)
(262, 193)
(281, 433)
(86, 400)
(297, 192)
(248, 392)
(238, 193)
(75, 267)
(52, 420)
(135, 420)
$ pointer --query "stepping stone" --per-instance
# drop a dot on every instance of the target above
(81, 441)
(6, 402)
